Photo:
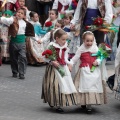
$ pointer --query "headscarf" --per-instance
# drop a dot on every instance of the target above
(92, 49)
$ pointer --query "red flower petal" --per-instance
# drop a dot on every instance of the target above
(48, 24)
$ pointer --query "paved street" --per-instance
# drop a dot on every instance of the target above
(21, 99)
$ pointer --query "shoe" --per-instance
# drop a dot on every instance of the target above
(59, 110)
(14, 75)
(21, 76)
(89, 111)
(83, 106)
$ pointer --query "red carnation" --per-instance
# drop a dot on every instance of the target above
(49, 52)
(87, 27)
(98, 21)
(48, 24)
(113, 16)
(113, 3)
(44, 53)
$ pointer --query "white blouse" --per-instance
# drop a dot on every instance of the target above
(93, 5)
(11, 1)
(9, 21)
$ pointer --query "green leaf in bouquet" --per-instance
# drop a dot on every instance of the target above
(61, 71)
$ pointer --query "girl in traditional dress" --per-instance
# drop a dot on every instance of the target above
(49, 36)
(88, 9)
(53, 15)
(5, 40)
(34, 49)
(59, 91)
(90, 85)
(63, 7)
(74, 40)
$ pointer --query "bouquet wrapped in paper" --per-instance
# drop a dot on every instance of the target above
(99, 24)
(50, 53)
(103, 52)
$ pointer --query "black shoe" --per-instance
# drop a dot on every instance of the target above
(83, 106)
(14, 75)
(59, 110)
(21, 76)
(89, 111)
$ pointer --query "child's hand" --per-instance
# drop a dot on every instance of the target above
(55, 63)
(70, 67)
(25, 8)
(95, 63)
(39, 41)
(62, 12)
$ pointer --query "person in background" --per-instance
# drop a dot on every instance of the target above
(88, 9)
(53, 16)
(34, 49)
(12, 5)
(5, 40)
(62, 7)
(19, 28)
(22, 5)
(43, 7)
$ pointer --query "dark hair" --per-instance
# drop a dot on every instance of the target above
(23, 10)
(70, 16)
(86, 33)
(32, 14)
(59, 33)
(55, 10)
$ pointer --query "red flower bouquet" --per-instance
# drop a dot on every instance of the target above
(51, 54)
(98, 24)
(49, 26)
(98, 21)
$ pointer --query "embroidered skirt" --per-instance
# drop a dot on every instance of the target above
(51, 90)
(34, 51)
(91, 98)
(117, 95)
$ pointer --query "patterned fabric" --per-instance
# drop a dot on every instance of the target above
(4, 41)
(117, 78)
(90, 98)
(74, 44)
(34, 51)
(117, 95)
(101, 7)
(51, 90)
